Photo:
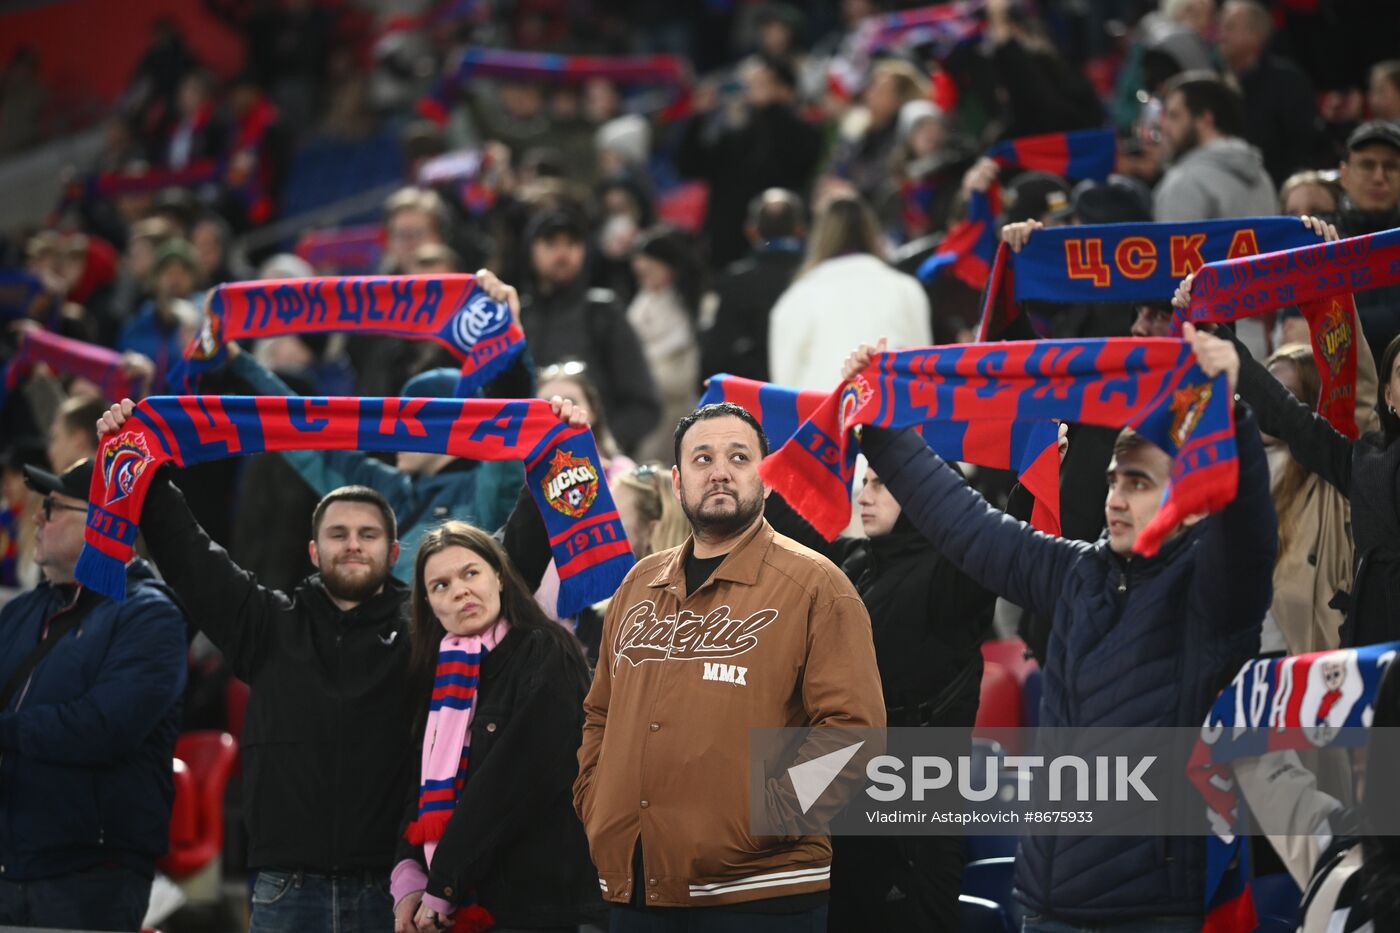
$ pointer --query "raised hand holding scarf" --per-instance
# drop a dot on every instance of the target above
(1031, 453)
(450, 310)
(995, 393)
(970, 247)
(1320, 280)
(1122, 262)
(590, 548)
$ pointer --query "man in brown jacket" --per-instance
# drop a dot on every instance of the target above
(738, 628)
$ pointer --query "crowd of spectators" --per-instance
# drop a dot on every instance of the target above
(761, 214)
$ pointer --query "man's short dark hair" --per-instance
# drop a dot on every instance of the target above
(1129, 440)
(720, 410)
(79, 414)
(355, 494)
(1205, 92)
(777, 214)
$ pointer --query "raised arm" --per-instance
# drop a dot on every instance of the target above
(223, 600)
(1312, 440)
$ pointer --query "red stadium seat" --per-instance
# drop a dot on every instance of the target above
(203, 762)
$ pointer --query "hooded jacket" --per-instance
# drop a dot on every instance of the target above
(1133, 642)
(86, 745)
(1218, 180)
(327, 746)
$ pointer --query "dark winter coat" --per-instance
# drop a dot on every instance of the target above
(1133, 642)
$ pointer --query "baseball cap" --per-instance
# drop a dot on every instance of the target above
(1035, 194)
(73, 482)
(1375, 131)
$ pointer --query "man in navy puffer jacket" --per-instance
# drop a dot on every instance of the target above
(87, 738)
(1134, 641)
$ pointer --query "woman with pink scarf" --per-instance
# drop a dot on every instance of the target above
(492, 841)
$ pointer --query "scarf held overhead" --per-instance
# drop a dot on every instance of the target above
(478, 62)
(1320, 280)
(98, 365)
(1317, 700)
(590, 548)
(450, 310)
(1034, 454)
(1124, 262)
(995, 394)
(970, 246)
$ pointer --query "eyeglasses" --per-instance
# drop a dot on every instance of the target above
(645, 470)
(1388, 167)
(50, 503)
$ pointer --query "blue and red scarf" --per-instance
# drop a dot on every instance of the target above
(343, 250)
(1324, 699)
(590, 549)
(977, 396)
(450, 310)
(66, 356)
(513, 65)
(1320, 280)
(943, 26)
(1034, 454)
(970, 247)
(1122, 262)
(779, 409)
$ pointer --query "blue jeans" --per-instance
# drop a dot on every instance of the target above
(96, 899)
(713, 920)
(1035, 924)
(295, 901)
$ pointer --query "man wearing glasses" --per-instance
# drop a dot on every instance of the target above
(89, 711)
(1370, 178)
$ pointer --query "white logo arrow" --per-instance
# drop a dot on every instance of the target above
(811, 778)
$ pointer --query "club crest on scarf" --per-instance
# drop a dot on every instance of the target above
(482, 316)
(1336, 336)
(1187, 406)
(855, 394)
(570, 484)
(123, 462)
(210, 339)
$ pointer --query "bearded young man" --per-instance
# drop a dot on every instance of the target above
(326, 754)
(736, 629)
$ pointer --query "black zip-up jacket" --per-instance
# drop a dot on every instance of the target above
(927, 618)
(327, 742)
(514, 840)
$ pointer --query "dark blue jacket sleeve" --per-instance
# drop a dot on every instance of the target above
(1234, 579)
(141, 676)
(1008, 557)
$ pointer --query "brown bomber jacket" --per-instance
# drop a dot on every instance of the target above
(777, 637)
